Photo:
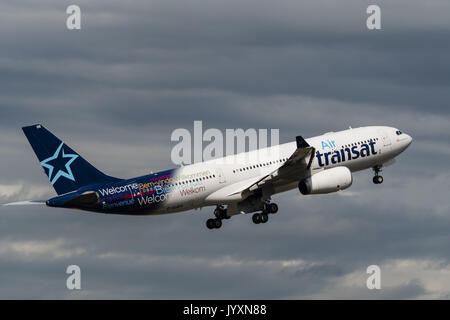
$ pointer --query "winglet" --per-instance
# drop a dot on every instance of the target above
(301, 143)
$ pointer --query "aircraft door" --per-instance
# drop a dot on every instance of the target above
(385, 141)
(385, 138)
(220, 175)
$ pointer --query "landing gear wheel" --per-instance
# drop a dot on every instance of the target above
(217, 223)
(378, 179)
(210, 224)
(264, 218)
(213, 223)
(273, 208)
(256, 218)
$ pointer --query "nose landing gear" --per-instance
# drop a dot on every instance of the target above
(377, 179)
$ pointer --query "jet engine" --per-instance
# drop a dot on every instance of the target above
(327, 181)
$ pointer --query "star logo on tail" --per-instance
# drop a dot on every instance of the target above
(56, 161)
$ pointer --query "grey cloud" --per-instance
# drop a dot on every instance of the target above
(116, 90)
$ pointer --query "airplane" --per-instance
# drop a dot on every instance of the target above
(242, 183)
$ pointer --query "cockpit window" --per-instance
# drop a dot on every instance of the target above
(398, 132)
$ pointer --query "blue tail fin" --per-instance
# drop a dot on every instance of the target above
(66, 170)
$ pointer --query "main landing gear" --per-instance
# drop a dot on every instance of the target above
(213, 223)
(263, 217)
(377, 179)
(221, 213)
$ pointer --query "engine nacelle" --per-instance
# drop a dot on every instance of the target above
(327, 181)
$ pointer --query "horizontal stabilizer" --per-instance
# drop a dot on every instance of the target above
(25, 203)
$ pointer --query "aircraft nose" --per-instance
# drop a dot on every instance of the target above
(409, 139)
(405, 141)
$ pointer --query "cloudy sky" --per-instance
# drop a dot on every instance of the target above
(137, 70)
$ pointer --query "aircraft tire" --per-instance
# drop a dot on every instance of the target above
(378, 179)
(264, 218)
(217, 223)
(210, 224)
(256, 218)
(273, 208)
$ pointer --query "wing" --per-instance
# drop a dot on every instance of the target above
(298, 164)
